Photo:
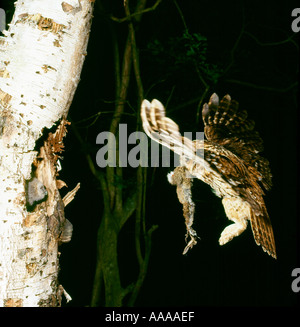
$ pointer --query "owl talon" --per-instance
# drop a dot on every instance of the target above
(193, 235)
(191, 243)
(190, 232)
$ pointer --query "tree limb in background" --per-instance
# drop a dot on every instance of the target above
(118, 207)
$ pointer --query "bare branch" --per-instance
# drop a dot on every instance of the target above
(181, 15)
(135, 59)
(139, 193)
(268, 44)
(261, 87)
(237, 41)
(185, 104)
(144, 266)
(129, 206)
(127, 18)
(200, 103)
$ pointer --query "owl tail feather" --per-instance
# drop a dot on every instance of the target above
(263, 231)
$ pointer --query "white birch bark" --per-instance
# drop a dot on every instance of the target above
(41, 57)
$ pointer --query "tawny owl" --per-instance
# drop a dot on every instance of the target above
(230, 163)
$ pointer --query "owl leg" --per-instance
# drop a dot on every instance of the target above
(238, 211)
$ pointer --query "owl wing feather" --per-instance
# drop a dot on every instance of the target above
(164, 130)
(228, 126)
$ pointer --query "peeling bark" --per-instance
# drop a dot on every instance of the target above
(41, 58)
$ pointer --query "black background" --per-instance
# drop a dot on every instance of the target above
(238, 273)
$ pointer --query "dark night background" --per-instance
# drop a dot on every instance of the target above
(262, 77)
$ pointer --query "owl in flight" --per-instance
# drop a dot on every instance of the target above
(228, 160)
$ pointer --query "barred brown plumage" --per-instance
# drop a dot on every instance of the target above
(231, 165)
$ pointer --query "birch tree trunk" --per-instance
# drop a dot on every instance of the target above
(41, 57)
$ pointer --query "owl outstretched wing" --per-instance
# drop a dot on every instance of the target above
(164, 130)
(226, 125)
